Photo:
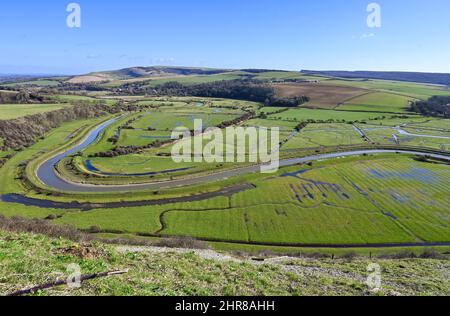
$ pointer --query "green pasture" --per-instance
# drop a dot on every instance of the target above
(285, 75)
(139, 163)
(130, 137)
(418, 137)
(302, 114)
(378, 102)
(13, 111)
(323, 135)
(166, 121)
(380, 199)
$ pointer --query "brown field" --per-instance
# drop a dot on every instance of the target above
(148, 78)
(321, 95)
(88, 79)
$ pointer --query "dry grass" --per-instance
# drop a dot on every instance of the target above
(88, 79)
(43, 227)
(181, 242)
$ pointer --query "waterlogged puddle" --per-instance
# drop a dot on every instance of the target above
(415, 173)
(400, 198)
(295, 174)
(308, 189)
(403, 199)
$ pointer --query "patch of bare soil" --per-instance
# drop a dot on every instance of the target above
(87, 79)
(82, 251)
(320, 94)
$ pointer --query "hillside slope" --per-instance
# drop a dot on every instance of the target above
(29, 260)
(144, 72)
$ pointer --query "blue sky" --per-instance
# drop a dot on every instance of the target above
(278, 34)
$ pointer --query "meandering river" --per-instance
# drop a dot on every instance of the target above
(48, 175)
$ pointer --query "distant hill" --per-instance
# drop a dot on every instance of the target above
(145, 72)
(155, 72)
(137, 72)
(14, 78)
(422, 77)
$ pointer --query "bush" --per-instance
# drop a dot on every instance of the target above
(350, 256)
(429, 254)
(44, 227)
(94, 229)
(181, 242)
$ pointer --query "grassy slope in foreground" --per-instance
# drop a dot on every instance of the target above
(29, 260)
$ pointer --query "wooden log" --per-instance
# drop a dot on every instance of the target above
(56, 283)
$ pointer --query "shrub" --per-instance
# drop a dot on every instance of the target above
(44, 227)
(181, 242)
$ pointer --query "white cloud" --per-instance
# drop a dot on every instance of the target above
(367, 35)
(94, 56)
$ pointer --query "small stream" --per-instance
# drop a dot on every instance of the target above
(405, 133)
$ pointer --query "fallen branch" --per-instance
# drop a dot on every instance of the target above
(63, 282)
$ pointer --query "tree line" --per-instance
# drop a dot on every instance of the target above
(20, 97)
(25, 131)
(247, 90)
(438, 106)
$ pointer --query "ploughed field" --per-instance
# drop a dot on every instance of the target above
(371, 200)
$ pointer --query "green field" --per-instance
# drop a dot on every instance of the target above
(378, 102)
(344, 203)
(360, 201)
(352, 201)
(167, 121)
(323, 135)
(300, 115)
(417, 137)
(12, 111)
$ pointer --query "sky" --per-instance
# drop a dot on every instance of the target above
(271, 34)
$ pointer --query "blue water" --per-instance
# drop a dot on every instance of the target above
(415, 173)
(46, 171)
(295, 174)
